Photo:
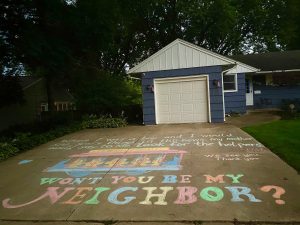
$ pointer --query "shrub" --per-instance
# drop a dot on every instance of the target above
(22, 141)
(285, 104)
(289, 113)
(7, 150)
(103, 122)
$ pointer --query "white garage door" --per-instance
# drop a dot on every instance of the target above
(181, 100)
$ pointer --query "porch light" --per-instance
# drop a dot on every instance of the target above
(216, 83)
(150, 88)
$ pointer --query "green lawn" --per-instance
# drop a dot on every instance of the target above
(282, 137)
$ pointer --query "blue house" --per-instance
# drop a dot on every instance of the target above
(278, 81)
(184, 83)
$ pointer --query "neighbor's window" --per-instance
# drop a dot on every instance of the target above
(44, 107)
(229, 82)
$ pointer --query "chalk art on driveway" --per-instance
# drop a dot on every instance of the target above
(132, 162)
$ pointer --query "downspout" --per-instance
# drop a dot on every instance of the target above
(222, 73)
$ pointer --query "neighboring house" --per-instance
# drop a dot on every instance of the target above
(35, 97)
(277, 82)
(184, 83)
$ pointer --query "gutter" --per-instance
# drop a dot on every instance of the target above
(279, 71)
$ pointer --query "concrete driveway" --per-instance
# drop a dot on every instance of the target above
(136, 175)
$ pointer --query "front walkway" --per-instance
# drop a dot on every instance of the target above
(253, 117)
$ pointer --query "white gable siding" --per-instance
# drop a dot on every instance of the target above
(180, 54)
(238, 69)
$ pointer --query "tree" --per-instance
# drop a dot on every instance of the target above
(10, 91)
(69, 40)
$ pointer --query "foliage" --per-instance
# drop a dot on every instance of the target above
(25, 140)
(102, 92)
(10, 91)
(109, 34)
(103, 122)
(282, 137)
(287, 112)
(7, 150)
(67, 40)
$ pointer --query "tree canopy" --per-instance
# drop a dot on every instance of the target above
(67, 39)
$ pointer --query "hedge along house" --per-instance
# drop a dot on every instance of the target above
(184, 83)
(277, 84)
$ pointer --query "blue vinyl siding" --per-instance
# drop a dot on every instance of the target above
(216, 103)
(235, 102)
(272, 96)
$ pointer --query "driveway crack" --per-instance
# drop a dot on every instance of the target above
(127, 149)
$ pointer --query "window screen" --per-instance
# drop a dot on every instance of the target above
(229, 81)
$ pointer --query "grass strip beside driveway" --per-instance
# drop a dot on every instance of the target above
(281, 137)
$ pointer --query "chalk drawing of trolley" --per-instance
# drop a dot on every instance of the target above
(120, 161)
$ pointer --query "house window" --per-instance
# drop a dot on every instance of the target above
(44, 107)
(230, 82)
(63, 106)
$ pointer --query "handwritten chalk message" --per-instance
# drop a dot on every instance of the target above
(248, 157)
(201, 141)
(64, 191)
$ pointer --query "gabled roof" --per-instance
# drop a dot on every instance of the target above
(271, 61)
(59, 92)
(180, 54)
(28, 81)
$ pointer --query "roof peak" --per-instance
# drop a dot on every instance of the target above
(180, 54)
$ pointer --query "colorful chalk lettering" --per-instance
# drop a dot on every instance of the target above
(113, 197)
(212, 194)
(186, 195)
(244, 191)
(25, 161)
(160, 196)
(152, 195)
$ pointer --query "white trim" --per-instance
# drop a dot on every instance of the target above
(223, 96)
(208, 98)
(236, 83)
(250, 88)
(179, 79)
(190, 45)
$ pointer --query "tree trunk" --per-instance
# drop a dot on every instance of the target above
(50, 99)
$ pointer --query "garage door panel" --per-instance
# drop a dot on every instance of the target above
(199, 85)
(163, 89)
(187, 87)
(174, 118)
(187, 118)
(164, 108)
(175, 98)
(165, 117)
(200, 107)
(186, 96)
(188, 108)
(181, 101)
(175, 87)
(201, 98)
(175, 109)
(163, 98)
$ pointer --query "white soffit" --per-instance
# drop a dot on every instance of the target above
(180, 54)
